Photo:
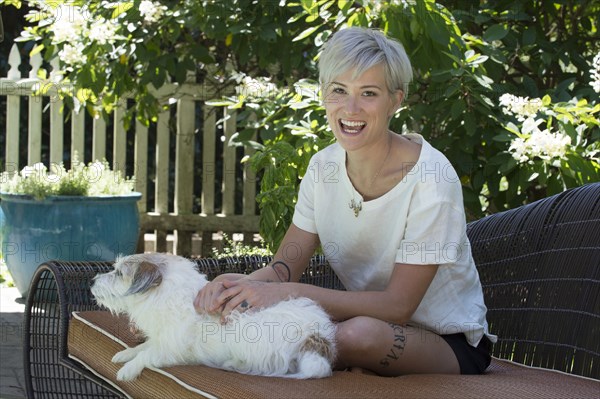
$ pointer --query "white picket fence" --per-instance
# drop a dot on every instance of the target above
(192, 233)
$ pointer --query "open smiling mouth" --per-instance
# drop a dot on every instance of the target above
(351, 127)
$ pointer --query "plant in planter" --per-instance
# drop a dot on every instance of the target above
(88, 213)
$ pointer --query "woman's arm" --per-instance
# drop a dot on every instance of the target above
(292, 257)
(407, 287)
(396, 303)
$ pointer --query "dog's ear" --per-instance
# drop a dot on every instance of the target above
(146, 276)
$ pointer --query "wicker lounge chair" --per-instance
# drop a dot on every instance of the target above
(539, 265)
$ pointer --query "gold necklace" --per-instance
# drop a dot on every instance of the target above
(356, 205)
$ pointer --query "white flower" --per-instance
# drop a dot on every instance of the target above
(543, 144)
(99, 166)
(518, 147)
(57, 170)
(307, 90)
(95, 179)
(37, 169)
(72, 55)
(256, 88)
(530, 125)
(68, 25)
(550, 145)
(595, 73)
(151, 11)
(27, 171)
(94, 171)
(103, 31)
(521, 107)
(505, 101)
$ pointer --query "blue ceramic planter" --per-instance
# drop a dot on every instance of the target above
(65, 228)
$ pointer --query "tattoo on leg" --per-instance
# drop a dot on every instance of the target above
(398, 346)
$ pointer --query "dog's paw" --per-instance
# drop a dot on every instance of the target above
(129, 371)
(124, 356)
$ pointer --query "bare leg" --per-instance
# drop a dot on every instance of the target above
(392, 350)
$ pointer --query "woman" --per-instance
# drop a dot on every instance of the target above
(387, 210)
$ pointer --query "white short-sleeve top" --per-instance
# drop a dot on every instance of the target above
(419, 221)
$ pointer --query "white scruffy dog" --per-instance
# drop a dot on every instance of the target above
(294, 338)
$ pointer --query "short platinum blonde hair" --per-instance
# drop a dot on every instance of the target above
(363, 48)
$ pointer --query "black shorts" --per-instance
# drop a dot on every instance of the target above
(472, 360)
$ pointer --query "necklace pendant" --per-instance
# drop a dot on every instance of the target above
(356, 206)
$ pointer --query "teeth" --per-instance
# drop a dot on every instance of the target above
(352, 123)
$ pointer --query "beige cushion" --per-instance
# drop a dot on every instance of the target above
(94, 337)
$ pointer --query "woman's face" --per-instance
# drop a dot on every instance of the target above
(359, 110)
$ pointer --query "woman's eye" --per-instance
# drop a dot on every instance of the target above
(369, 94)
(338, 90)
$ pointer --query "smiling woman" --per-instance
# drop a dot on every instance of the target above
(357, 54)
(390, 219)
(365, 77)
(361, 105)
(359, 110)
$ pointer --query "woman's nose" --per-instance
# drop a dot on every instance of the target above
(352, 105)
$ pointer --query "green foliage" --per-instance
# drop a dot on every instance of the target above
(556, 145)
(15, 3)
(287, 147)
(72, 186)
(460, 60)
(291, 128)
(237, 249)
(109, 49)
(534, 50)
(466, 56)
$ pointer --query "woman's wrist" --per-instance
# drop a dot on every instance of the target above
(282, 271)
(294, 290)
(228, 277)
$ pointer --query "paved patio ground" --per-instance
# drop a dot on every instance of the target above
(12, 382)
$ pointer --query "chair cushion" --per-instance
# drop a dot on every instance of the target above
(95, 336)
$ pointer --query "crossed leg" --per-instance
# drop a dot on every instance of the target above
(391, 350)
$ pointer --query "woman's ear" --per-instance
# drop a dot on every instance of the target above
(397, 98)
(400, 97)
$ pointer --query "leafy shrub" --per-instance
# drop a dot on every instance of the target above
(236, 248)
(466, 56)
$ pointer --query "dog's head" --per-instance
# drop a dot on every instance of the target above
(147, 278)
(132, 276)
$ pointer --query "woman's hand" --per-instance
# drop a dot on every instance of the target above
(207, 300)
(247, 295)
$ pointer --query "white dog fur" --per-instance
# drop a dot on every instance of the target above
(294, 338)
